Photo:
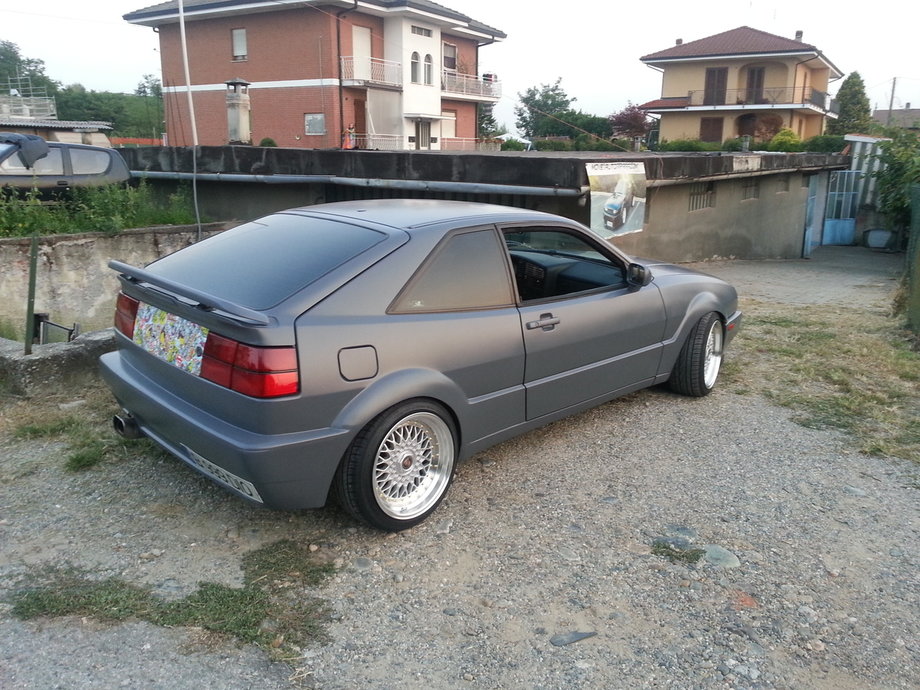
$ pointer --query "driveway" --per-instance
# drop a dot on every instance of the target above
(537, 571)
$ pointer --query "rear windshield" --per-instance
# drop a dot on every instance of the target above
(259, 264)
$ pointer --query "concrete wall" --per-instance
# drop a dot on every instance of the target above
(73, 281)
(770, 226)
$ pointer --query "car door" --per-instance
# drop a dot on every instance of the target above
(587, 333)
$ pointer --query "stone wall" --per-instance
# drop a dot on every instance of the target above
(73, 281)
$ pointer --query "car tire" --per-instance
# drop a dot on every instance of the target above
(398, 469)
(700, 359)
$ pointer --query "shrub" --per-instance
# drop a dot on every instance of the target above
(825, 143)
(785, 140)
(513, 145)
(689, 145)
(92, 209)
(552, 145)
(267, 141)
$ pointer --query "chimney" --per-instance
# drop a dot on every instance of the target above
(679, 42)
(238, 112)
(798, 35)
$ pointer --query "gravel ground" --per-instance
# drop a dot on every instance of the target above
(537, 570)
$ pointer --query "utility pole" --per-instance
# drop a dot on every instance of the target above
(894, 81)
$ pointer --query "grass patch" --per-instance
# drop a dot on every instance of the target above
(84, 428)
(676, 554)
(839, 368)
(273, 609)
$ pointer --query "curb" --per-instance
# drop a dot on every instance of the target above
(53, 366)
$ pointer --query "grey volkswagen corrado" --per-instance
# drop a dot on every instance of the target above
(366, 347)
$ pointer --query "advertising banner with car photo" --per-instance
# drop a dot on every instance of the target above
(617, 197)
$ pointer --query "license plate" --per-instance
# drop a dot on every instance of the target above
(221, 475)
(171, 338)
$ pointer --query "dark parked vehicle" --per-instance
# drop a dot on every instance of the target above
(368, 346)
(52, 166)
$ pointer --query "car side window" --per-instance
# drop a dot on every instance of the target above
(52, 164)
(465, 272)
(88, 162)
(550, 263)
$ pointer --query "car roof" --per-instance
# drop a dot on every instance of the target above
(409, 214)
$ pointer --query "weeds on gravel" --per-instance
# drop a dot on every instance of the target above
(273, 609)
(848, 369)
(84, 428)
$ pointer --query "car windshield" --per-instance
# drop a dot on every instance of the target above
(260, 264)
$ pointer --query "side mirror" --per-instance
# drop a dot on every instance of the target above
(638, 275)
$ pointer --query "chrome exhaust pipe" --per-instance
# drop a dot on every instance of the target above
(126, 426)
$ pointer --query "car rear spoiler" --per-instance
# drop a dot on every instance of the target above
(202, 299)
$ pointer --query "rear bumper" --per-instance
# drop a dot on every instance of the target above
(288, 471)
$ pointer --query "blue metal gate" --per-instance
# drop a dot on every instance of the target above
(842, 204)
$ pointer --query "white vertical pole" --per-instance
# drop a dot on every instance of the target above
(191, 112)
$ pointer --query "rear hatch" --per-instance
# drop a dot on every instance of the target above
(223, 310)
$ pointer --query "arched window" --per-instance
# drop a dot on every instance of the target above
(429, 70)
(413, 73)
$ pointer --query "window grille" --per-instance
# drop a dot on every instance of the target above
(702, 195)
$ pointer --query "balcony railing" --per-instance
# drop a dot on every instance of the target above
(468, 144)
(372, 71)
(470, 85)
(768, 96)
(380, 142)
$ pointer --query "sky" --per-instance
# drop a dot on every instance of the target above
(592, 48)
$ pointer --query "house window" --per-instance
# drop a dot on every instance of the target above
(783, 183)
(238, 43)
(421, 31)
(702, 195)
(429, 70)
(413, 69)
(450, 57)
(314, 123)
(711, 129)
(750, 188)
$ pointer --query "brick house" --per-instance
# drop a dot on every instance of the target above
(379, 74)
(742, 82)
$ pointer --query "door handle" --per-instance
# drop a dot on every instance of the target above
(547, 322)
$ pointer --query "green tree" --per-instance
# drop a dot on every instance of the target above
(540, 108)
(855, 113)
(13, 67)
(487, 126)
(900, 168)
(74, 102)
(150, 91)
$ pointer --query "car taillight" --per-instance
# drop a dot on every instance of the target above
(260, 372)
(125, 314)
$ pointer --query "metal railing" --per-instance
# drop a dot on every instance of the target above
(380, 142)
(372, 70)
(469, 144)
(40, 108)
(470, 85)
(772, 96)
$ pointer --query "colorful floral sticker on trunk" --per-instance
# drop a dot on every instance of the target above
(170, 338)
